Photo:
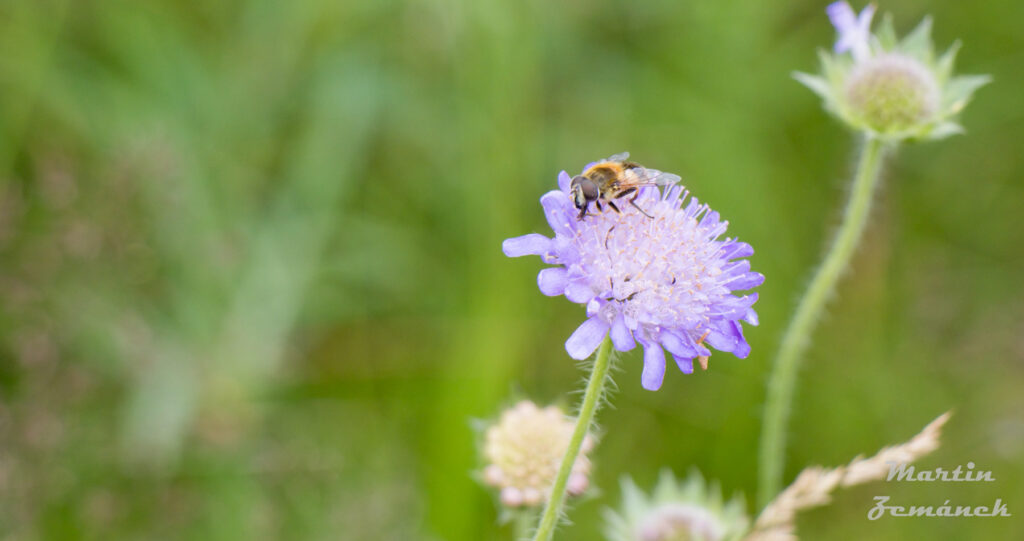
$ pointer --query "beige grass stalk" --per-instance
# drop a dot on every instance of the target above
(814, 486)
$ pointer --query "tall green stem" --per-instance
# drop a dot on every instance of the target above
(787, 362)
(591, 401)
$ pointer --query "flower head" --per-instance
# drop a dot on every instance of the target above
(523, 451)
(663, 279)
(675, 511)
(889, 88)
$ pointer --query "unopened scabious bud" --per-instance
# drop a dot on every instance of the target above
(523, 451)
(689, 511)
(891, 89)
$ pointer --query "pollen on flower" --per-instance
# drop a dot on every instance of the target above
(892, 92)
(523, 451)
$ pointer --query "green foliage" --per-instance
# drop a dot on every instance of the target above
(251, 283)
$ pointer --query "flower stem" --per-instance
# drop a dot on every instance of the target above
(591, 401)
(783, 376)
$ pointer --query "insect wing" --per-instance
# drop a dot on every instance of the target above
(660, 178)
(620, 157)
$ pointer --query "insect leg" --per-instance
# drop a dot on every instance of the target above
(632, 201)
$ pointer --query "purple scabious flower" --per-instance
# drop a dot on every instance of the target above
(665, 281)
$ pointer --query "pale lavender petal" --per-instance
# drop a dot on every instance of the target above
(699, 348)
(685, 364)
(842, 16)
(622, 338)
(564, 252)
(673, 194)
(654, 367)
(676, 345)
(532, 244)
(594, 306)
(552, 282)
(579, 292)
(709, 220)
(564, 181)
(586, 338)
(733, 308)
(742, 348)
(692, 207)
(556, 210)
(735, 268)
(854, 31)
(735, 249)
(738, 276)
(726, 336)
(649, 192)
(746, 281)
(722, 341)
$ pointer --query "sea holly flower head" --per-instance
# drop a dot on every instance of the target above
(657, 273)
(691, 510)
(890, 88)
(523, 451)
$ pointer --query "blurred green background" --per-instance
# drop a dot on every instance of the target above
(252, 283)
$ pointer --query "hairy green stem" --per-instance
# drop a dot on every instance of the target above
(591, 401)
(782, 380)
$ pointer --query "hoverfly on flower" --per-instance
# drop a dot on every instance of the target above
(614, 178)
(669, 283)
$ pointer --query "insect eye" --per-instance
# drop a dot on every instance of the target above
(589, 189)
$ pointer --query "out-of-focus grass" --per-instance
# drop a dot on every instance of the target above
(252, 284)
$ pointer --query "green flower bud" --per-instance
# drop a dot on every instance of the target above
(890, 88)
(674, 511)
(892, 93)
